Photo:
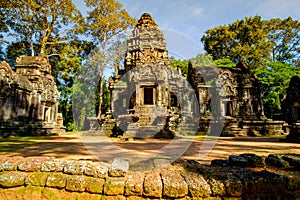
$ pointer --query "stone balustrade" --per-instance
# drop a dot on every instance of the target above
(246, 176)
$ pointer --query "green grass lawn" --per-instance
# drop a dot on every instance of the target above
(15, 144)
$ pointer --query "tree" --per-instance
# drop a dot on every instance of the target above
(14, 50)
(285, 36)
(105, 21)
(225, 62)
(42, 22)
(3, 29)
(182, 64)
(242, 41)
(275, 79)
(203, 60)
(65, 69)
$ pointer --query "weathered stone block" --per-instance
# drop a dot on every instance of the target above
(94, 185)
(135, 198)
(153, 185)
(174, 185)
(32, 164)
(96, 169)
(74, 167)
(219, 162)
(75, 183)
(217, 187)
(261, 182)
(254, 160)
(293, 160)
(198, 187)
(114, 186)
(36, 179)
(12, 179)
(134, 184)
(238, 161)
(293, 177)
(276, 161)
(113, 197)
(119, 168)
(233, 185)
(53, 166)
(10, 163)
(56, 180)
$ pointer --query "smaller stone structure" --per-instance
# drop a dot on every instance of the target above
(29, 98)
(234, 96)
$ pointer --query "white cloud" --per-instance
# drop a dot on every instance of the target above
(197, 12)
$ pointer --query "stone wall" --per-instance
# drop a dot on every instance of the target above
(240, 177)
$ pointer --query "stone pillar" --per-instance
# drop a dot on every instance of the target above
(201, 101)
(54, 108)
(138, 95)
(42, 111)
(159, 91)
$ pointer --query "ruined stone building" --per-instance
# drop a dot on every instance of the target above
(29, 98)
(291, 105)
(149, 98)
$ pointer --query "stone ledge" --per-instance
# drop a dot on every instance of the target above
(257, 178)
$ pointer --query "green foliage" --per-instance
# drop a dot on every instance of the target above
(15, 50)
(275, 78)
(225, 62)
(182, 64)
(255, 41)
(203, 60)
(242, 41)
(65, 69)
(42, 22)
(105, 22)
(285, 36)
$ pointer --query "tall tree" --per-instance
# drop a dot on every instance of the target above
(3, 29)
(65, 68)
(275, 80)
(285, 37)
(42, 22)
(105, 21)
(242, 41)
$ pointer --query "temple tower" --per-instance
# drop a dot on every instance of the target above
(146, 44)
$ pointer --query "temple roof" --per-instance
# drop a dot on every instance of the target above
(146, 20)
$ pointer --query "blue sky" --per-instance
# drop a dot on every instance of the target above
(185, 21)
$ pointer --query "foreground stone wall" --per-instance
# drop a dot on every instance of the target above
(240, 177)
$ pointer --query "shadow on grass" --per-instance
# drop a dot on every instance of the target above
(56, 146)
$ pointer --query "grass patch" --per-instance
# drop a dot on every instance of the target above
(16, 144)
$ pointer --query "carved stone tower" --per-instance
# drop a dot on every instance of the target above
(146, 44)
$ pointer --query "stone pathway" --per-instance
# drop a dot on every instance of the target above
(201, 150)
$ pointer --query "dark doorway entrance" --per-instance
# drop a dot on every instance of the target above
(148, 96)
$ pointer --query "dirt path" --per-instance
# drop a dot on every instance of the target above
(76, 147)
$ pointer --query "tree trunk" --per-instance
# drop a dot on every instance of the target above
(101, 81)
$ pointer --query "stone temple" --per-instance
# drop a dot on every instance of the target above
(151, 99)
(29, 98)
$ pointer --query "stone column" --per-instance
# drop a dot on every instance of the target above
(138, 92)
(55, 111)
(42, 111)
(159, 91)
